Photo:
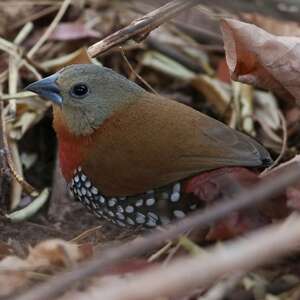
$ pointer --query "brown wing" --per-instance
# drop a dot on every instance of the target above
(157, 141)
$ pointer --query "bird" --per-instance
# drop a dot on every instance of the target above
(130, 156)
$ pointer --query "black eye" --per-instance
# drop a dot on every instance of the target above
(79, 90)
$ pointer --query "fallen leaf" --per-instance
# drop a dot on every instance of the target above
(235, 225)
(16, 272)
(259, 58)
(215, 91)
(5, 250)
(12, 276)
(267, 109)
(223, 71)
(166, 65)
(57, 253)
(223, 182)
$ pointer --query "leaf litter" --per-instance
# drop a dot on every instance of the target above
(263, 58)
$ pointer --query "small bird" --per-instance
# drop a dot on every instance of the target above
(129, 155)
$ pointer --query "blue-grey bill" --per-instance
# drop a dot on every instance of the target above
(47, 88)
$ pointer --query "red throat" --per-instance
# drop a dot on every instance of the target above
(71, 148)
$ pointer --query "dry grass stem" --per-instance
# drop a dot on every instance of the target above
(141, 27)
(189, 273)
(136, 74)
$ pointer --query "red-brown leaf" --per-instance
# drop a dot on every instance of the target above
(257, 57)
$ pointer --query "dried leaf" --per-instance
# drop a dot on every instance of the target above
(166, 65)
(46, 255)
(234, 225)
(223, 71)
(57, 253)
(11, 275)
(267, 109)
(216, 92)
(257, 57)
(243, 106)
(5, 250)
(211, 185)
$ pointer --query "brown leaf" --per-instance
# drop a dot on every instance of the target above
(57, 253)
(223, 71)
(11, 275)
(220, 183)
(44, 256)
(257, 57)
(235, 224)
(5, 250)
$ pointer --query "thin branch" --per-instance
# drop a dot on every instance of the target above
(19, 95)
(270, 186)
(192, 272)
(13, 76)
(13, 50)
(30, 190)
(141, 27)
(136, 74)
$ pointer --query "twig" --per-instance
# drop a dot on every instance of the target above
(50, 28)
(85, 234)
(160, 252)
(141, 27)
(269, 186)
(15, 164)
(20, 95)
(13, 50)
(30, 190)
(192, 272)
(136, 74)
(171, 254)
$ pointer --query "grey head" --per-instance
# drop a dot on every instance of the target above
(87, 94)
